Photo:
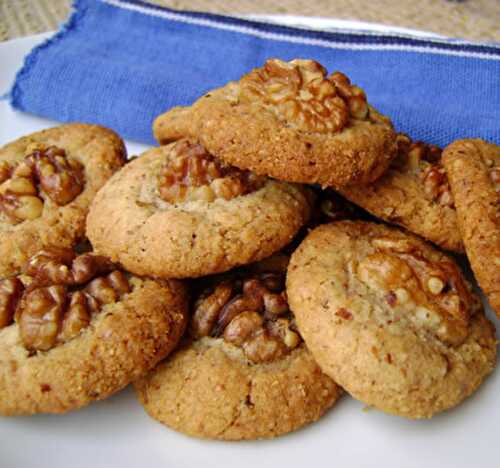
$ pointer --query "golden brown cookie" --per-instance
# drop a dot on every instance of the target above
(413, 193)
(244, 372)
(47, 181)
(77, 329)
(291, 121)
(390, 318)
(178, 212)
(473, 168)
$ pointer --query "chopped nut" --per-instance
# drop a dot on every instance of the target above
(190, 173)
(424, 161)
(344, 313)
(402, 295)
(291, 339)
(495, 178)
(391, 298)
(435, 285)
(436, 185)
(433, 294)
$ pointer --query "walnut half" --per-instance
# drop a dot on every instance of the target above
(60, 295)
(300, 93)
(191, 173)
(44, 171)
(251, 313)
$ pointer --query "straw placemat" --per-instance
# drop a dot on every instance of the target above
(469, 19)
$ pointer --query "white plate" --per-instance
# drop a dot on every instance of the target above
(117, 432)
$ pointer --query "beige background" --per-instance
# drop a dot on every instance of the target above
(470, 19)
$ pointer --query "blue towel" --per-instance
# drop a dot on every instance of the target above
(120, 63)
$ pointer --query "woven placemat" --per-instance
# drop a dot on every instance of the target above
(469, 19)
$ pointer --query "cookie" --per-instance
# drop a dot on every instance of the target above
(388, 317)
(291, 121)
(47, 181)
(75, 329)
(177, 212)
(413, 193)
(244, 371)
(473, 168)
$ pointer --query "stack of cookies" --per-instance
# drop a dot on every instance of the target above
(247, 272)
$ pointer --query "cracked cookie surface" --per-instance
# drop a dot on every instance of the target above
(389, 318)
(47, 181)
(177, 212)
(413, 193)
(473, 168)
(218, 385)
(76, 329)
(291, 121)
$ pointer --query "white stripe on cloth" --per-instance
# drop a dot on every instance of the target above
(185, 18)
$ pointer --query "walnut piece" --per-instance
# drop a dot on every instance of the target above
(190, 173)
(432, 294)
(300, 94)
(251, 313)
(11, 290)
(330, 206)
(43, 171)
(424, 161)
(62, 266)
(63, 293)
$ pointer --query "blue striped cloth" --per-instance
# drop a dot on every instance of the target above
(120, 63)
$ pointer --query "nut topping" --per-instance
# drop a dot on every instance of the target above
(432, 293)
(41, 313)
(424, 161)
(62, 294)
(190, 173)
(10, 292)
(62, 266)
(61, 178)
(300, 93)
(44, 170)
(251, 313)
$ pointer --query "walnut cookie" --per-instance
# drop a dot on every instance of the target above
(244, 371)
(473, 168)
(291, 121)
(75, 329)
(413, 193)
(47, 181)
(177, 212)
(390, 318)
